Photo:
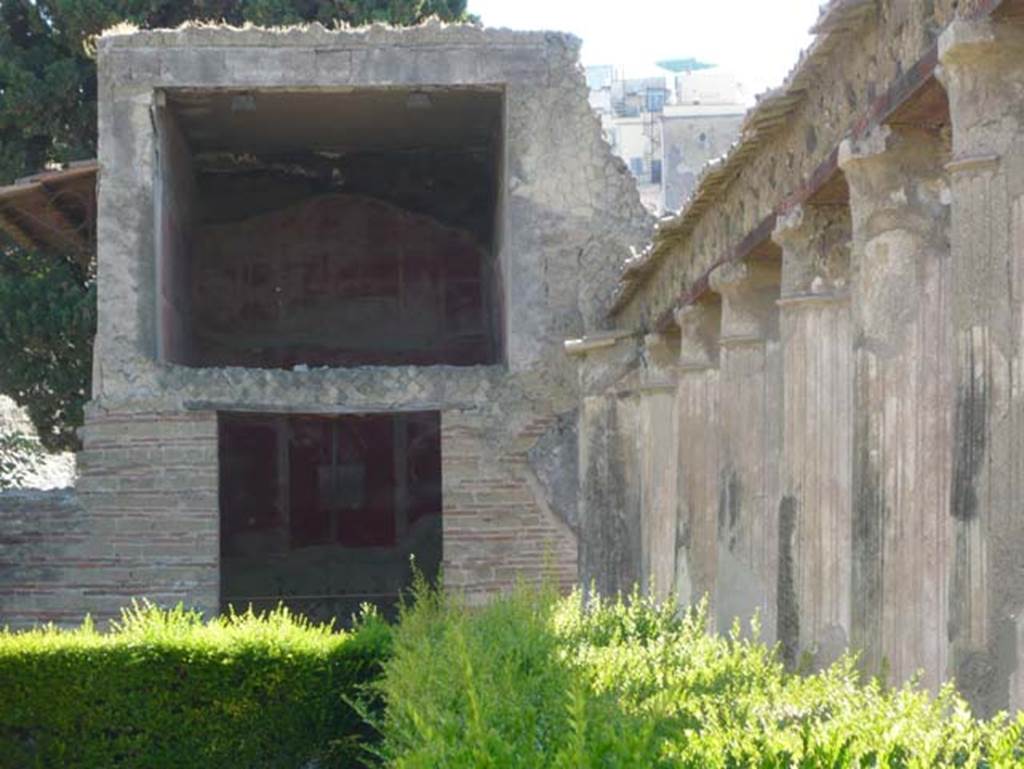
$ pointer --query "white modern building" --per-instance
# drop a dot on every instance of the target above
(668, 124)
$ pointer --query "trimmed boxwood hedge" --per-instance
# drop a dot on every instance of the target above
(166, 689)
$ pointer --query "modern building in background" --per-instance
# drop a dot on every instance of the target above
(667, 126)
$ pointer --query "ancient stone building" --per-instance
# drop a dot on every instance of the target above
(361, 299)
(808, 401)
(336, 269)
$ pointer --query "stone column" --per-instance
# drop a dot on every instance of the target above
(750, 417)
(609, 504)
(815, 508)
(658, 463)
(902, 453)
(983, 70)
(697, 427)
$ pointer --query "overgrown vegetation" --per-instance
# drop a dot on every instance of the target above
(532, 680)
(537, 681)
(167, 690)
(48, 115)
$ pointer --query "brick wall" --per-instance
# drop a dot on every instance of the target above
(149, 483)
(144, 522)
(43, 542)
(497, 526)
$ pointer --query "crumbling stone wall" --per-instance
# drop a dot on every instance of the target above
(874, 199)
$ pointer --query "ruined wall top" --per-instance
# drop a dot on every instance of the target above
(315, 35)
(205, 55)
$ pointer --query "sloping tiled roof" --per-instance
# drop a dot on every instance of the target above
(53, 210)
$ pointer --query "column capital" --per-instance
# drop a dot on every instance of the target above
(815, 242)
(793, 227)
(728, 279)
(897, 181)
(699, 326)
(749, 291)
(982, 68)
(900, 213)
(659, 362)
(981, 43)
(868, 147)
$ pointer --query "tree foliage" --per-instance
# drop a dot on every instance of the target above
(47, 323)
(48, 115)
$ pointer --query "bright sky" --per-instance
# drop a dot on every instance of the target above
(758, 40)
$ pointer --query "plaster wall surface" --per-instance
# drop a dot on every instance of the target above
(174, 202)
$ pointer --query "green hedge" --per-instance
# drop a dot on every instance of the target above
(534, 680)
(165, 689)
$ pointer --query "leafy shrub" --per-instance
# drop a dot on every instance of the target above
(165, 689)
(537, 681)
(20, 457)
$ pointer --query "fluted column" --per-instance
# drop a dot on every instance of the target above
(658, 464)
(698, 430)
(983, 70)
(750, 442)
(609, 512)
(815, 525)
(902, 452)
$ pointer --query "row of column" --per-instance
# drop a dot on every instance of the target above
(846, 451)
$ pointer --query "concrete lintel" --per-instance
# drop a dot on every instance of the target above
(963, 39)
(982, 42)
(971, 164)
(320, 409)
(741, 340)
(596, 341)
(810, 299)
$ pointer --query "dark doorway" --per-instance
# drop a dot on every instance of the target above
(326, 513)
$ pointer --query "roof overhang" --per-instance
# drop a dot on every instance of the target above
(53, 211)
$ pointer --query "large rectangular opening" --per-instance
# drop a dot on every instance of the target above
(341, 228)
(325, 513)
